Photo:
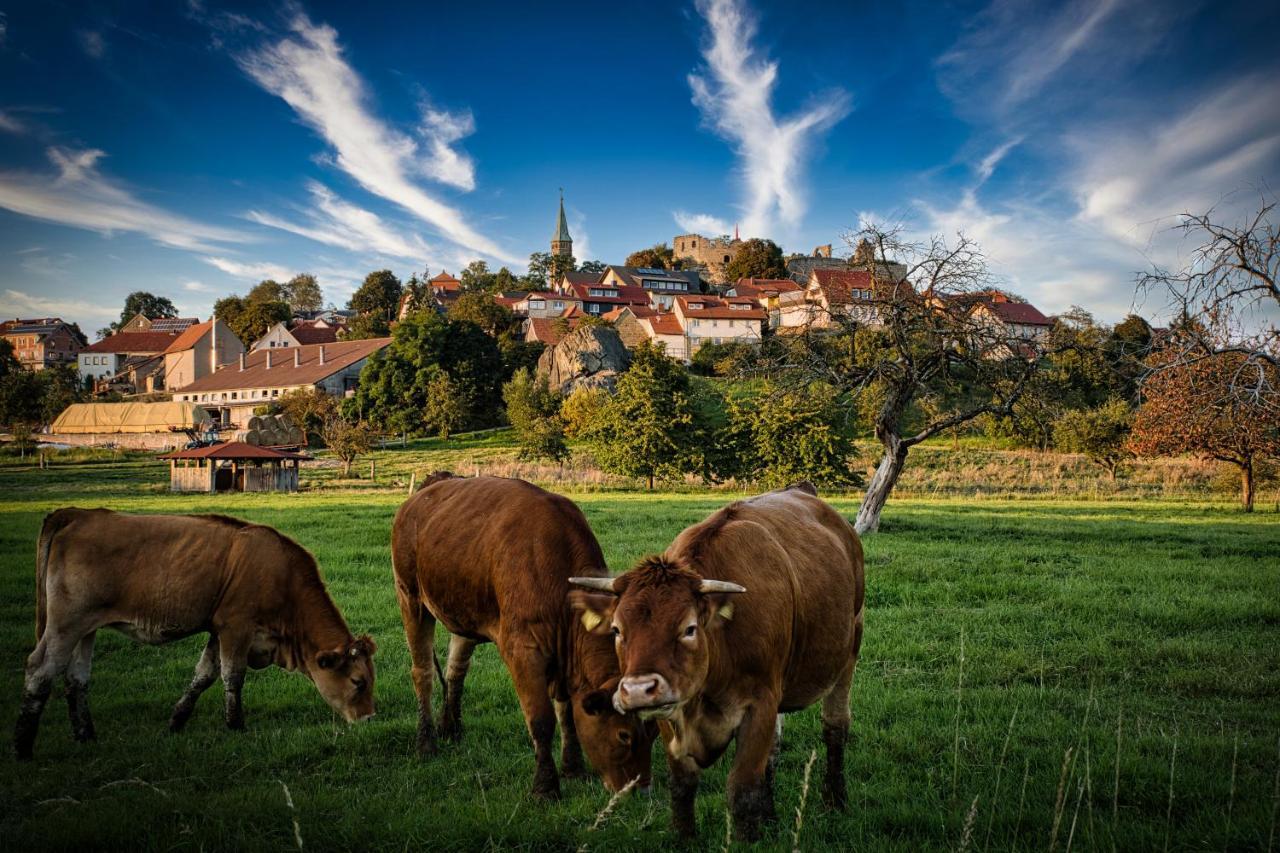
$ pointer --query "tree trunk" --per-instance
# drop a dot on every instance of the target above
(651, 482)
(882, 483)
(1246, 485)
(346, 468)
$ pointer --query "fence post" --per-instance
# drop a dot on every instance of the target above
(372, 476)
(413, 478)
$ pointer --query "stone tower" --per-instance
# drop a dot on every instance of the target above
(561, 242)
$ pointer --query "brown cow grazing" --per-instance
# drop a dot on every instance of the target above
(159, 578)
(754, 612)
(490, 559)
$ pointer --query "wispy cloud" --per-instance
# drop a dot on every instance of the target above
(581, 239)
(79, 195)
(18, 303)
(249, 270)
(701, 223)
(92, 43)
(735, 94)
(339, 223)
(196, 287)
(10, 124)
(308, 71)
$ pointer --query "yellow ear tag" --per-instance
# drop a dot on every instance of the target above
(726, 611)
(590, 619)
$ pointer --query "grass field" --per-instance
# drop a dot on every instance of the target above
(1035, 675)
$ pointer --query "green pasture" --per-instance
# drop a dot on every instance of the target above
(1035, 675)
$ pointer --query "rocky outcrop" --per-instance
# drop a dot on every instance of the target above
(587, 357)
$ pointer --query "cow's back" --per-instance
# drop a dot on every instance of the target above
(802, 566)
(487, 554)
(167, 572)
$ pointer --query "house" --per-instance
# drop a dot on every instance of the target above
(1020, 321)
(199, 352)
(107, 358)
(255, 379)
(549, 330)
(233, 466)
(41, 343)
(302, 332)
(767, 292)
(829, 293)
(602, 297)
(626, 322)
(664, 328)
(569, 279)
(662, 286)
(715, 320)
(545, 304)
(801, 267)
(170, 325)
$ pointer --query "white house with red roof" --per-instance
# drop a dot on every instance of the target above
(108, 357)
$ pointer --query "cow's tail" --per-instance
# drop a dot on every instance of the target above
(53, 522)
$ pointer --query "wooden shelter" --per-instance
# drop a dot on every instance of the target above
(233, 466)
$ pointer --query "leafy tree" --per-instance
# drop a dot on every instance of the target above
(417, 294)
(756, 258)
(723, 359)
(447, 404)
(250, 318)
(309, 408)
(147, 304)
(8, 360)
(480, 308)
(545, 269)
(794, 433)
(647, 429)
(1192, 407)
(267, 290)
(657, 256)
(35, 398)
(1127, 348)
(1101, 433)
(303, 293)
(393, 389)
(378, 295)
(364, 326)
(477, 278)
(582, 411)
(534, 411)
(593, 266)
(347, 440)
(518, 353)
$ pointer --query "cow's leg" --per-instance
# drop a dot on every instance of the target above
(771, 769)
(571, 764)
(750, 800)
(206, 673)
(455, 673)
(78, 670)
(420, 634)
(44, 665)
(683, 775)
(529, 670)
(835, 730)
(233, 660)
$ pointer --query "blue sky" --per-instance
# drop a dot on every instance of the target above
(193, 149)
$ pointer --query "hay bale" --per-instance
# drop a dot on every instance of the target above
(255, 422)
(252, 436)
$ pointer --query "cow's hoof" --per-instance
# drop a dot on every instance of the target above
(546, 786)
(85, 735)
(572, 771)
(450, 732)
(235, 725)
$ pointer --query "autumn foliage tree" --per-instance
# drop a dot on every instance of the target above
(1191, 408)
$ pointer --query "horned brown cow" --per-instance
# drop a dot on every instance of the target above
(159, 578)
(754, 612)
(490, 559)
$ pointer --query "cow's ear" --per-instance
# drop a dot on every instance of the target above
(595, 609)
(717, 607)
(600, 701)
(328, 659)
(365, 645)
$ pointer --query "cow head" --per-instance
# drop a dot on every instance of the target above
(659, 614)
(619, 746)
(344, 677)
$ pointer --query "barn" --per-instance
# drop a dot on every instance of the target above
(233, 466)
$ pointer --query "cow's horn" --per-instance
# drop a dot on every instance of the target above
(720, 586)
(600, 584)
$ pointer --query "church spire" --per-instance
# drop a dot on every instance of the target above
(561, 242)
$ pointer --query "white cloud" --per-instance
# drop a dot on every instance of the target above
(735, 94)
(254, 271)
(17, 303)
(196, 287)
(440, 129)
(92, 43)
(339, 223)
(581, 239)
(9, 124)
(701, 223)
(39, 262)
(308, 71)
(79, 195)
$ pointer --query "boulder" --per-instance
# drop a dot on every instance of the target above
(587, 357)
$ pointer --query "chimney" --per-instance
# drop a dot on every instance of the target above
(213, 345)
(268, 359)
(322, 353)
(244, 358)
(297, 357)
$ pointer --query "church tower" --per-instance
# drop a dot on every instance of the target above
(561, 242)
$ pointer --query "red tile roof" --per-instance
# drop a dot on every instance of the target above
(283, 373)
(133, 342)
(711, 308)
(757, 287)
(544, 329)
(232, 450)
(308, 333)
(838, 285)
(189, 336)
(444, 281)
(621, 295)
(583, 277)
(1022, 313)
(664, 324)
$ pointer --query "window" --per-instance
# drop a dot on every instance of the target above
(275, 392)
(694, 243)
(233, 395)
(264, 392)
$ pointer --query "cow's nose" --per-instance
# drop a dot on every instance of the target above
(640, 691)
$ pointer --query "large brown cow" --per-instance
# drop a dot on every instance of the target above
(754, 612)
(159, 578)
(490, 559)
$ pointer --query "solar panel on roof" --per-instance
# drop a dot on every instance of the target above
(650, 271)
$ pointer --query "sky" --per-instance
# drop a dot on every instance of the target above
(193, 149)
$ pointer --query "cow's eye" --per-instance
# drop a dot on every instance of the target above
(617, 632)
(360, 684)
(692, 630)
(624, 737)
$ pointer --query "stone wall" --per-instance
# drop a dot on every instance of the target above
(711, 252)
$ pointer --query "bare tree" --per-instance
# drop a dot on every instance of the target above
(918, 351)
(1226, 300)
